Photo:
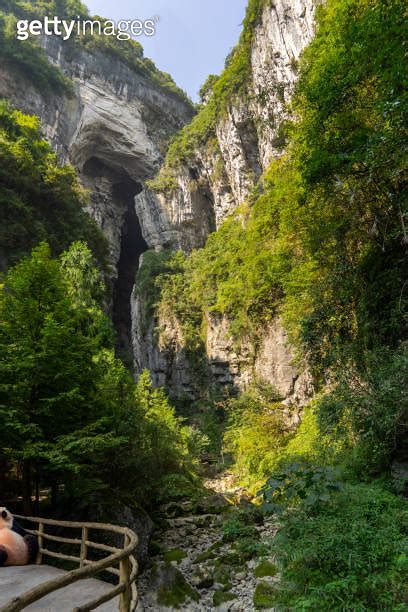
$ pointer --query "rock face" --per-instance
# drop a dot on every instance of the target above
(271, 361)
(113, 129)
(221, 173)
(217, 177)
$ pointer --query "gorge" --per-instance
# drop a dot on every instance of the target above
(204, 307)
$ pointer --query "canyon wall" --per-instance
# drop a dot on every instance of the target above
(114, 129)
(218, 176)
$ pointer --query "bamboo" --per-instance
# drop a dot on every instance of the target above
(74, 524)
(102, 599)
(58, 555)
(59, 539)
(103, 547)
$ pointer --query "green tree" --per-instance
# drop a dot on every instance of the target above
(39, 199)
(46, 365)
(71, 412)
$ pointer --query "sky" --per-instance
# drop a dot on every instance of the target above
(192, 38)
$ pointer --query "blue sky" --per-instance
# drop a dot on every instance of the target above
(192, 39)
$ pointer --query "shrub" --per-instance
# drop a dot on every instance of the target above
(39, 199)
(265, 568)
(349, 553)
(309, 485)
(257, 433)
(234, 529)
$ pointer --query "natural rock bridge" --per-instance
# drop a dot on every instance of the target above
(42, 587)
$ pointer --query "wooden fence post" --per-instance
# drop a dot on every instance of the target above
(40, 543)
(124, 575)
(84, 548)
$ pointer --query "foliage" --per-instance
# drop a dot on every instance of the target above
(46, 366)
(206, 87)
(257, 433)
(220, 597)
(349, 150)
(235, 529)
(232, 82)
(305, 483)
(71, 413)
(249, 547)
(239, 272)
(176, 592)
(264, 596)
(322, 239)
(39, 199)
(147, 283)
(350, 553)
(161, 283)
(208, 417)
(175, 554)
(182, 146)
(265, 568)
(367, 410)
(28, 56)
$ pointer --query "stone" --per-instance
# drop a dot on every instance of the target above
(113, 130)
(134, 517)
(202, 578)
(210, 185)
(212, 504)
(170, 588)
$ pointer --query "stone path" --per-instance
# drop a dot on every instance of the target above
(189, 538)
(17, 580)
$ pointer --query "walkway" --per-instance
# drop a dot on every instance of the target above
(17, 580)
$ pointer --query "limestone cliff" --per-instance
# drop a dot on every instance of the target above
(221, 171)
(114, 129)
(194, 192)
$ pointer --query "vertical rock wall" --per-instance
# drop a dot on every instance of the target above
(114, 130)
(218, 176)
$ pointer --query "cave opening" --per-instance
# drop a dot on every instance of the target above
(132, 245)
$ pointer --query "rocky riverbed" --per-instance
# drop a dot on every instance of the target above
(214, 555)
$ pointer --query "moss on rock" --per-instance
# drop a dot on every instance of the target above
(264, 596)
(176, 592)
(175, 554)
(221, 597)
(265, 568)
(210, 553)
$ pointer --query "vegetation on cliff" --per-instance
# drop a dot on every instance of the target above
(30, 58)
(233, 83)
(322, 241)
(40, 199)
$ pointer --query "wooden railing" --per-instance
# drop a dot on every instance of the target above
(123, 558)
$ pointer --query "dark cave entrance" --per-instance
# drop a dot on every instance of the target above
(132, 245)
